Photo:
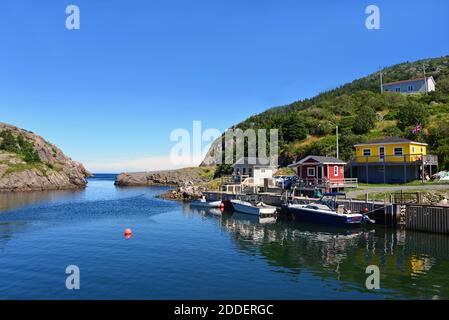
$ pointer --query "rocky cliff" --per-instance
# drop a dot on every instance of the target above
(29, 162)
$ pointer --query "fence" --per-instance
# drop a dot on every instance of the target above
(427, 159)
(427, 218)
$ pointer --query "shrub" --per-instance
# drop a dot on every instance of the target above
(366, 120)
(19, 146)
(223, 170)
(412, 114)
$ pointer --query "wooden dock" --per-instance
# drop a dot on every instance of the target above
(434, 219)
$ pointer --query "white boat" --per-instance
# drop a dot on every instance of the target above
(247, 207)
(202, 203)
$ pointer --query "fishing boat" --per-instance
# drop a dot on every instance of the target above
(328, 211)
(257, 208)
(203, 203)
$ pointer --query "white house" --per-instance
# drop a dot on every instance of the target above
(419, 85)
(258, 168)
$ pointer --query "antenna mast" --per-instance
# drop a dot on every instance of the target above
(425, 78)
(336, 131)
(381, 81)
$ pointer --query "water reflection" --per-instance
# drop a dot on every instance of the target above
(12, 200)
(412, 264)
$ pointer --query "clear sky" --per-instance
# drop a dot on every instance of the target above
(111, 93)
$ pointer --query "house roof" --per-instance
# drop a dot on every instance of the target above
(389, 140)
(255, 161)
(319, 159)
(410, 80)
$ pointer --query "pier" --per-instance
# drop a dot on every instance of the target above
(401, 210)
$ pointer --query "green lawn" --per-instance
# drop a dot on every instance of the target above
(363, 186)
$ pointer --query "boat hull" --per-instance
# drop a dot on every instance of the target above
(202, 204)
(318, 216)
(253, 210)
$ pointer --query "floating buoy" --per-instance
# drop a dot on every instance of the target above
(222, 206)
(128, 233)
(365, 210)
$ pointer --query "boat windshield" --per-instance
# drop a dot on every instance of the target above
(329, 201)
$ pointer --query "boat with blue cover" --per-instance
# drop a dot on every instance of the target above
(328, 211)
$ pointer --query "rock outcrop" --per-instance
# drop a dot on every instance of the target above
(185, 192)
(166, 177)
(54, 170)
(188, 183)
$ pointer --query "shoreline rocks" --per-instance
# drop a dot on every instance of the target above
(188, 183)
(187, 192)
(164, 177)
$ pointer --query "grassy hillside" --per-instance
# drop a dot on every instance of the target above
(362, 113)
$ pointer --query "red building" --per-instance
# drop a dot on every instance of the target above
(325, 173)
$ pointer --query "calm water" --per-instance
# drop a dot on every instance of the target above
(180, 253)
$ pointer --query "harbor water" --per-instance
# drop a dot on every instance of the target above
(177, 252)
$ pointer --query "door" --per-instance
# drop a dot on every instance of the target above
(381, 153)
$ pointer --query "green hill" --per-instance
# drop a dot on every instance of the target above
(363, 113)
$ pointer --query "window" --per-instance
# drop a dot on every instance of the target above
(381, 153)
(250, 170)
(413, 150)
(336, 171)
(422, 150)
(366, 152)
(311, 172)
(244, 171)
(398, 89)
(410, 88)
(398, 151)
(262, 170)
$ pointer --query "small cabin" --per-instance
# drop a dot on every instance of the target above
(316, 168)
(258, 168)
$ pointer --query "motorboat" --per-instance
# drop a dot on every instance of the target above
(327, 210)
(203, 203)
(255, 208)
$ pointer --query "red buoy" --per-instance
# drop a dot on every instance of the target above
(128, 233)
(366, 210)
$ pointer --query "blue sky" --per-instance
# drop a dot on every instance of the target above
(110, 93)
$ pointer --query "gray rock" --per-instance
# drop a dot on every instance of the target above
(57, 171)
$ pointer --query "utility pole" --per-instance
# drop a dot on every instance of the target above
(425, 78)
(381, 82)
(336, 131)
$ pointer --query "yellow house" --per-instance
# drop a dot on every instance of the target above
(391, 160)
(390, 150)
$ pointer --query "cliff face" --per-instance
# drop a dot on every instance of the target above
(35, 164)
